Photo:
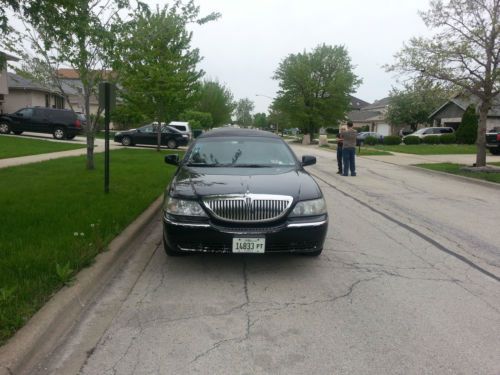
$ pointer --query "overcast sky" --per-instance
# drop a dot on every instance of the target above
(244, 47)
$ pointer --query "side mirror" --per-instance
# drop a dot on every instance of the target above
(308, 160)
(172, 159)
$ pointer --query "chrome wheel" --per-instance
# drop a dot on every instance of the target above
(59, 133)
(126, 141)
(4, 128)
(171, 143)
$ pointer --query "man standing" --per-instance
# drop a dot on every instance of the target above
(349, 150)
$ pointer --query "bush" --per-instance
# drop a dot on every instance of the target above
(412, 140)
(448, 139)
(432, 140)
(467, 131)
(333, 131)
(392, 140)
(372, 141)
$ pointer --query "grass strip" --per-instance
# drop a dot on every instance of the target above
(12, 147)
(423, 149)
(55, 219)
(455, 169)
(360, 152)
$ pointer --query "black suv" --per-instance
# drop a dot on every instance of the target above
(61, 123)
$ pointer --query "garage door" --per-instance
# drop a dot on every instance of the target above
(383, 129)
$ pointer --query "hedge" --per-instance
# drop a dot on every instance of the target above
(412, 140)
(372, 141)
(448, 139)
(431, 139)
(392, 140)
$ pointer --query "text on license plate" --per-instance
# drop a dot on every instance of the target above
(249, 245)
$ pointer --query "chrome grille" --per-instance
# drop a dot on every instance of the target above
(249, 207)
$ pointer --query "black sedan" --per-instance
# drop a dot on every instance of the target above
(148, 135)
(243, 191)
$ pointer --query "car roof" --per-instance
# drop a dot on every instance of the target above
(235, 132)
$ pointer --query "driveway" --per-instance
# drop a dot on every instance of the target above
(408, 283)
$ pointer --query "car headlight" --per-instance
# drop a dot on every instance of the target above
(310, 208)
(183, 207)
(118, 134)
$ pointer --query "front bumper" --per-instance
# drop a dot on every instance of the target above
(291, 236)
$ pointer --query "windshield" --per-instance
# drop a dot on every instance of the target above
(240, 152)
(421, 131)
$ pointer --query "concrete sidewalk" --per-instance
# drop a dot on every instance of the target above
(412, 159)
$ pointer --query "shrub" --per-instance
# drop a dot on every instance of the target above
(372, 141)
(412, 140)
(448, 139)
(392, 140)
(432, 139)
(467, 131)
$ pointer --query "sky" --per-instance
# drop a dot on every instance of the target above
(245, 46)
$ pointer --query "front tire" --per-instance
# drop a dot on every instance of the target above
(18, 132)
(495, 151)
(4, 128)
(171, 143)
(126, 141)
(59, 133)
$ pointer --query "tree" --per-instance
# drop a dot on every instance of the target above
(260, 120)
(216, 99)
(157, 67)
(464, 51)
(79, 34)
(315, 86)
(243, 112)
(413, 104)
(467, 130)
(197, 120)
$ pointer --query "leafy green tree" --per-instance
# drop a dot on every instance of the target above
(260, 120)
(157, 66)
(243, 112)
(79, 34)
(467, 130)
(413, 104)
(315, 86)
(125, 116)
(216, 99)
(464, 51)
(197, 120)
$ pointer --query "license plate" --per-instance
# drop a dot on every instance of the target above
(249, 245)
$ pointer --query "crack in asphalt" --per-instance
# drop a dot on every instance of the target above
(416, 232)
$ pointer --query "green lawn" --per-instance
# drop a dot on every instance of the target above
(11, 147)
(428, 149)
(100, 135)
(55, 218)
(455, 169)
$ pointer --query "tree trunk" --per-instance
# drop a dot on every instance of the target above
(90, 131)
(481, 135)
(158, 136)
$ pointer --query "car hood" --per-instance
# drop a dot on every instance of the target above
(200, 182)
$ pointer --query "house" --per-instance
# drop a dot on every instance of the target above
(451, 112)
(373, 116)
(73, 87)
(25, 92)
(4, 86)
(356, 104)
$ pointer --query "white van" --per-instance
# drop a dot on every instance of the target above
(183, 127)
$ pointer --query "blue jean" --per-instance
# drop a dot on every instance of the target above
(348, 155)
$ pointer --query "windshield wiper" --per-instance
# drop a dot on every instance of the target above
(250, 166)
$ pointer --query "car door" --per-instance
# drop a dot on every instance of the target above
(145, 135)
(40, 121)
(22, 120)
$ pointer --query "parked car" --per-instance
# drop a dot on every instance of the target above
(437, 130)
(183, 127)
(243, 191)
(61, 123)
(360, 138)
(148, 135)
(493, 140)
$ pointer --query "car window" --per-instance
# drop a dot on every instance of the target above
(180, 127)
(421, 131)
(38, 113)
(247, 151)
(169, 129)
(26, 112)
(146, 129)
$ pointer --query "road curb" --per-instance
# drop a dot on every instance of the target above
(55, 319)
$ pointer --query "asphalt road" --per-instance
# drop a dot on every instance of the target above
(408, 283)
